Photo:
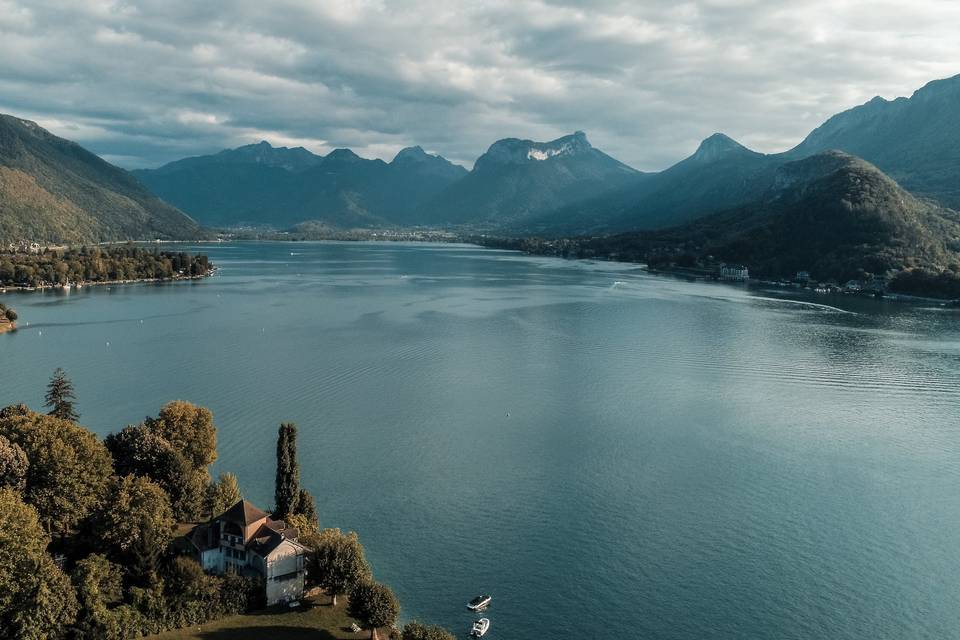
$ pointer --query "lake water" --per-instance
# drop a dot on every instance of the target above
(609, 453)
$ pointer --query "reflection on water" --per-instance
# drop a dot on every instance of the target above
(680, 460)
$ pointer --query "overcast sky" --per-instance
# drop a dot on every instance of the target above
(142, 83)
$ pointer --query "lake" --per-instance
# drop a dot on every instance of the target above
(609, 453)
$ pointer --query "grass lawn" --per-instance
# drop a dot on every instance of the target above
(316, 619)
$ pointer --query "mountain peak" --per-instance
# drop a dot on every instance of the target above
(516, 151)
(718, 146)
(342, 155)
(945, 87)
(408, 154)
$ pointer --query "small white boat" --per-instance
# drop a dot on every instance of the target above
(479, 603)
(480, 627)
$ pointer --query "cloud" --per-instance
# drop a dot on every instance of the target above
(147, 82)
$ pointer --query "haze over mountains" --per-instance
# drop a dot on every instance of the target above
(561, 187)
(53, 190)
(262, 185)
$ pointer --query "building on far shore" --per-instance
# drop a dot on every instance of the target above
(734, 272)
(250, 542)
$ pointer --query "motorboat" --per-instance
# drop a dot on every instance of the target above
(479, 603)
(480, 627)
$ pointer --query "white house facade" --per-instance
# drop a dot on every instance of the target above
(247, 540)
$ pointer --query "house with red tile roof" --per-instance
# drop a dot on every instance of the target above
(247, 540)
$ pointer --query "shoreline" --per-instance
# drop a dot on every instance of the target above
(96, 283)
(700, 276)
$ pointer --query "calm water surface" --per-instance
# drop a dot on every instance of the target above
(609, 453)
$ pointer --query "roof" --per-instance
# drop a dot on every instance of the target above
(204, 536)
(270, 535)
(243, 513)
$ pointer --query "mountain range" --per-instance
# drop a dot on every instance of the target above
(562, 187)
(261, 185)
(831, 214)
(280, 187)
(53, 190)
(870, 190)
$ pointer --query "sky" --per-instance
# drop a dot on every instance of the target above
(144, 83)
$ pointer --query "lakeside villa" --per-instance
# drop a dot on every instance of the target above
(737, 272)
(247, 540)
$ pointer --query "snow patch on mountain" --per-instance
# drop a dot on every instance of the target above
(544, 154)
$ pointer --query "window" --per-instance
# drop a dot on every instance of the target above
(286, 576)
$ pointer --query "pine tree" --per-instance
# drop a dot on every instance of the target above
(287, 490)
(60, 397)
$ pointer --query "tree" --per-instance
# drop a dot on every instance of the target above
(189, 429)
(339, 563)
(145, 554)
(287, 488)
(307, 507)
(186, 582)
(223, 494)
(36, 599)
(190, 432)
(13, 466)
(417, 631)
(374, 604)
(60, 397)
(99, 584)
(139, 451)
(308, 530)
(11, 315)
(69, 466)
(134, 518)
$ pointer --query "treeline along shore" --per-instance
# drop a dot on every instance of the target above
(110, 539)
(41, 268)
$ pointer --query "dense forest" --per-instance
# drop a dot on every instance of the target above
(90, 529)
(51, 266)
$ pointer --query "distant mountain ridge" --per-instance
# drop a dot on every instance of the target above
(916, 140)
(53, 190)
(516, 179)
(721, 173)
(833, 215)
(561, 187)
(280, 187)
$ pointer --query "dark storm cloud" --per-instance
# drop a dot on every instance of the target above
(147, 82)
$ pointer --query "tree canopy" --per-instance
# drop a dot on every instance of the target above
(98, 264)
(136, 512)
(375, 604)
(189, 429)
(416, 631)
(339, 563)
(36, 599)
(173, 449)
(13, 465)
(69, 466)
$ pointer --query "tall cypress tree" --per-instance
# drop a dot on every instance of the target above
(287, 491)
(60, 397)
